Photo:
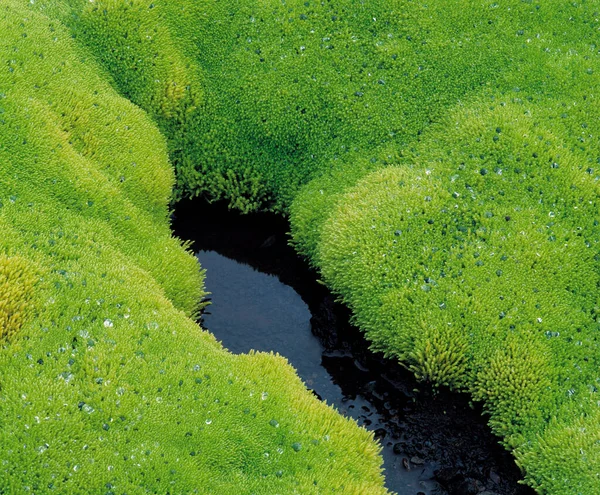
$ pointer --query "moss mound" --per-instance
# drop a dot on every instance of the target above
(256, 98)
(473, 259)
(476, 265)
(106, 384)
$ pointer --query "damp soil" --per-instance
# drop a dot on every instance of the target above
(265, 297)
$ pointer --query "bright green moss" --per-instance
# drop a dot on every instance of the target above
(439, 162)
(565, 457)
(516, 383)
(477, 266)
(267, 95)
(106, 383)
(473, 259)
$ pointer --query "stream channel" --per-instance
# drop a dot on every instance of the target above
(265, 297)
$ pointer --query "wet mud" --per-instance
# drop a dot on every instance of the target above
(433, 443)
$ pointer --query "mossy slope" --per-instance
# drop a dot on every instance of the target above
(106, 384)
(256, 98)
(474, 259)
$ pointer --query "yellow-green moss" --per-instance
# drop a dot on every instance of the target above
(17, 284)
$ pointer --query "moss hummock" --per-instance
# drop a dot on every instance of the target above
(482, 276)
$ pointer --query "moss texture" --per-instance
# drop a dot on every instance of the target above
(17, 284)
(106, 383)
(476, 264)
(439, 162)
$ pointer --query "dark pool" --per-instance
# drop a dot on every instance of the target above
(254, 310)
(264, 297)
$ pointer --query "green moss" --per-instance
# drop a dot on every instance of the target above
(106, 383)
(477, 267)
(439, 163)
(278, 94)
(565, 457)
(477, 248)
(17, 282)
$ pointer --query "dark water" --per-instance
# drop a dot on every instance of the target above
(431, 443)
(254, 310)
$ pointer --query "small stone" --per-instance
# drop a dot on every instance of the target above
(469, 486)
(417, 460)
(494, 476)
(380, 433)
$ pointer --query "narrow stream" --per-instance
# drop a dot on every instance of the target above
(259, 312)
(254, 310)
(265, 298)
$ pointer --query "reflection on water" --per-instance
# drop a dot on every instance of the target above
(253, 310)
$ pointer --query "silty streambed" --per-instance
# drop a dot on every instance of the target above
(265, 298)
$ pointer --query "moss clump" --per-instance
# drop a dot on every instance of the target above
(17, 282)
(476, 265)
(107, 385)
(564, 458)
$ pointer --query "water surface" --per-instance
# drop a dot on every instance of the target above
(254, 310)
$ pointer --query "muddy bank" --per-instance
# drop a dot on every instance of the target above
(432, 443)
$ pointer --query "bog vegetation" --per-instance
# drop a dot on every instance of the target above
(439, 162)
